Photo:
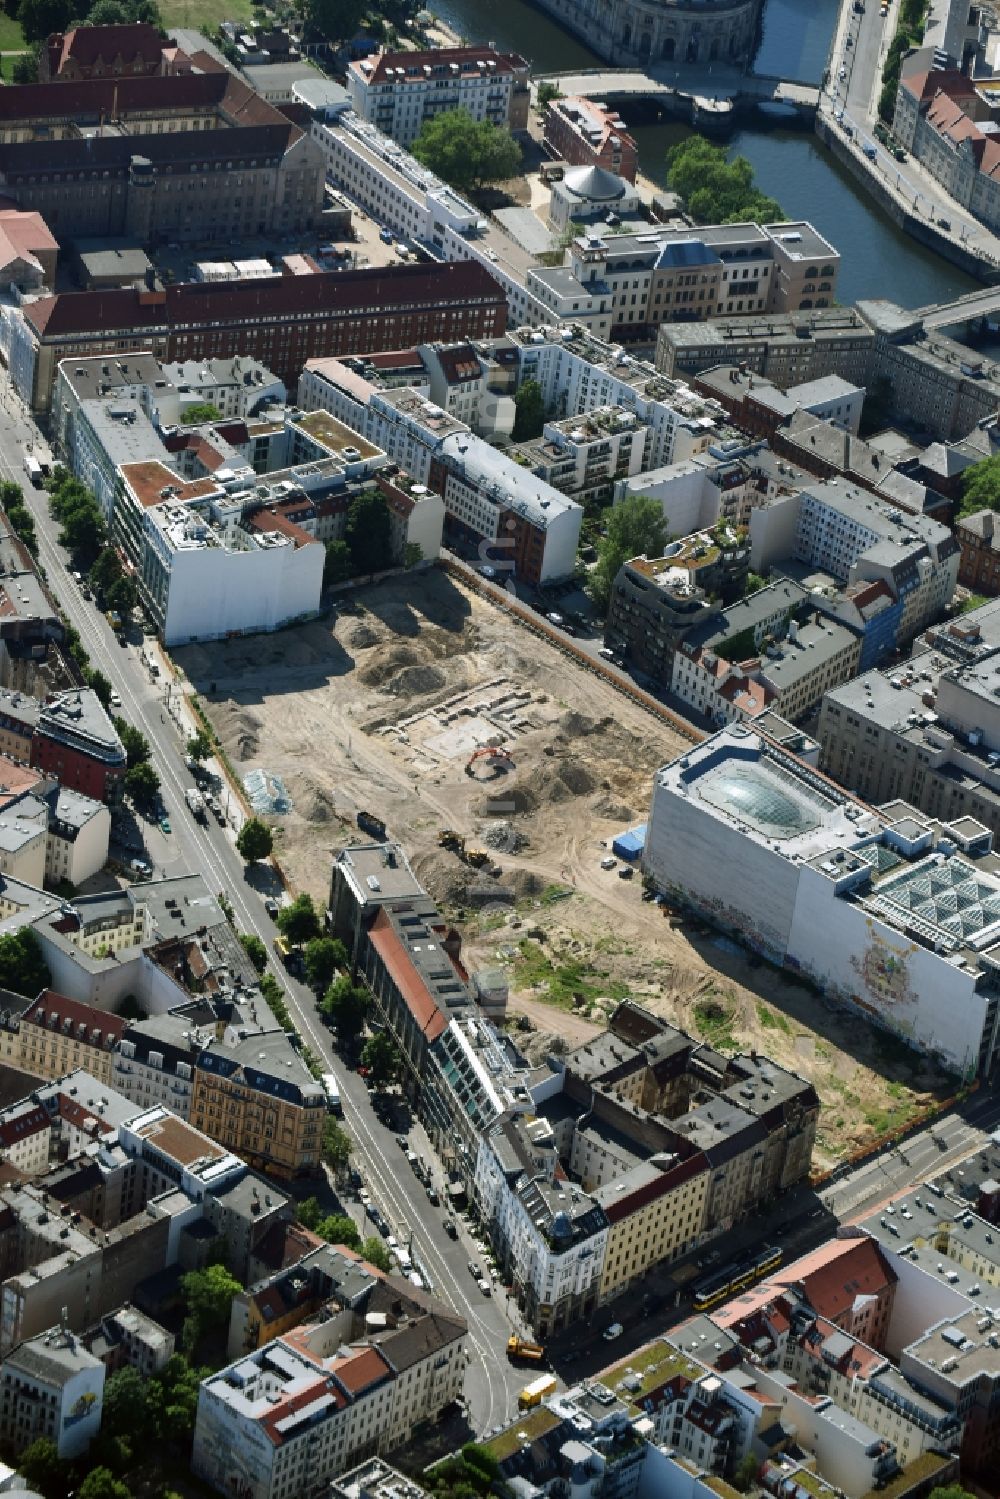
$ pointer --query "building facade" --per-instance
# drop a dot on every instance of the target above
(399, 91)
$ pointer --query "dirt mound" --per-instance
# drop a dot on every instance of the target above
(247, 726)
(415, 681)
(388, 663)
(613, 810)
(576, 778)
(525, 884)
(363, 637)
(580, 725)
(509, 801)
(318, 807)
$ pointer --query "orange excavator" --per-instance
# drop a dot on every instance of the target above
(499, 757)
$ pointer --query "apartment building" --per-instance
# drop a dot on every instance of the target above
(75, 741)
(656, 602)
(926, 731)
(585, 456)
(282, 321)
(947, 123)
(57, 1035)
(979, 546)
(859, 538)
(327, 1394)
(588, 134)
(127, 1339)
(51, 1387)
(399, 91)
(764, 847)
(259, 1099)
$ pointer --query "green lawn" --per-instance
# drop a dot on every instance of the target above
(204, 15)
(11, 35)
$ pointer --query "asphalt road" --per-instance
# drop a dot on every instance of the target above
(491, 1384)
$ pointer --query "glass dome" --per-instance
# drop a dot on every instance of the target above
(755, 796)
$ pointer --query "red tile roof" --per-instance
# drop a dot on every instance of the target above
(49, 1004)
(289, 1404)
(360, 1371)
(276, 518)
(416, 996)
(87, 45)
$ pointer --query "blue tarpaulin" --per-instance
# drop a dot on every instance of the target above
(631, 844)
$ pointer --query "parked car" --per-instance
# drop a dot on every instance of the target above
(450, 1229)
(432, 1196)
(614, 1331)
(474, 1270)
(271, 905)
(165, 825)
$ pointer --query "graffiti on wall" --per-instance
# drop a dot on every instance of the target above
(883, 971)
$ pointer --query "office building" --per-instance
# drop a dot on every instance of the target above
(885, 911)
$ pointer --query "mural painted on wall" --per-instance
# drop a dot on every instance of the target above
(884, 973)
(758, 936)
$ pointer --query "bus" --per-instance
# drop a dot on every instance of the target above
(332, 1093)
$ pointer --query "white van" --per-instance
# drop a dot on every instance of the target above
(332, 1092)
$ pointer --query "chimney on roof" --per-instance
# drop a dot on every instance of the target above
(988, 525)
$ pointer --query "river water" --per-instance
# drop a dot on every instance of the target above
(878, 259)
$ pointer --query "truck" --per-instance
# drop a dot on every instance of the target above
(369, 823)
(332, 1093)
(196, 804)
(33, 469)
(521, 1349)
(534, 1393)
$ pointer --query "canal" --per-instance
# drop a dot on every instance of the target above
(879, 260)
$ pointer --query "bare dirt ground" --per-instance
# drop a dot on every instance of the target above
(381, 707)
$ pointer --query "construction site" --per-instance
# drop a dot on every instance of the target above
(506, 769)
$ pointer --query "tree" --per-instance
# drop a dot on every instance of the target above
(323, 956)
(25, 69)
(142, 783)
(254, 949)
(254, 840)
(208, 1295)
(134, 742)
(980, 487)
(754, 583)
(123, 595)
(125, 1411)
(636, 528)
(339, 1229)
(467, 153)
(201, 412)
(99, 683)
(336, 1146)
(199, 746)
(39, 18)
(951, 1491)
(106, 571)
(124, 13)
(972, 601)
(101, 1483)
(382, 1058)
(345, 1007)
(529, 411)
(375, 1252)
(335, 20)
(746, 1474)
(299, 922)
(22, 967)
(338, 565)
(716, 190)
(413, 554)
(546, 93)
(83, 528)
(369, 532)
(39, 1464)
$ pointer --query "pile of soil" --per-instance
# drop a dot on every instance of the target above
(509, 801)
(611, 808)
(248, 727)
(415, 681)
(363, 637)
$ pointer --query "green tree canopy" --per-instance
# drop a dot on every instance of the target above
(134, 742)
(100, 684)
(375, 1252)
(106, 571)
(254, 949)
(980, 487)
(125, 1411)
(22, 967)
(636, 528)
(208, 1295)
(202, 411)
(323, 957)
(336, 1145)
(101, 1483)
(345, 1007)
(335, 20)
(467, 153)
(123, 13)
(254, 840)
(529, 411)
(199, 746)
(142, 783)
(123, 595)
(369, 532)
(39, 1465)
(381, 1055)
(39, 18)
(716, 190)
(299, 922)
(951, 1491)
(25, 69)
(338, 565)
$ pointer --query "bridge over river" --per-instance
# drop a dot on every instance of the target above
(712, 93)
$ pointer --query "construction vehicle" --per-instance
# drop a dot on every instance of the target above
(196, 804)
(499, 757)
(534, 1393)
(448, 838)
(520, 1348)
(477, 857)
